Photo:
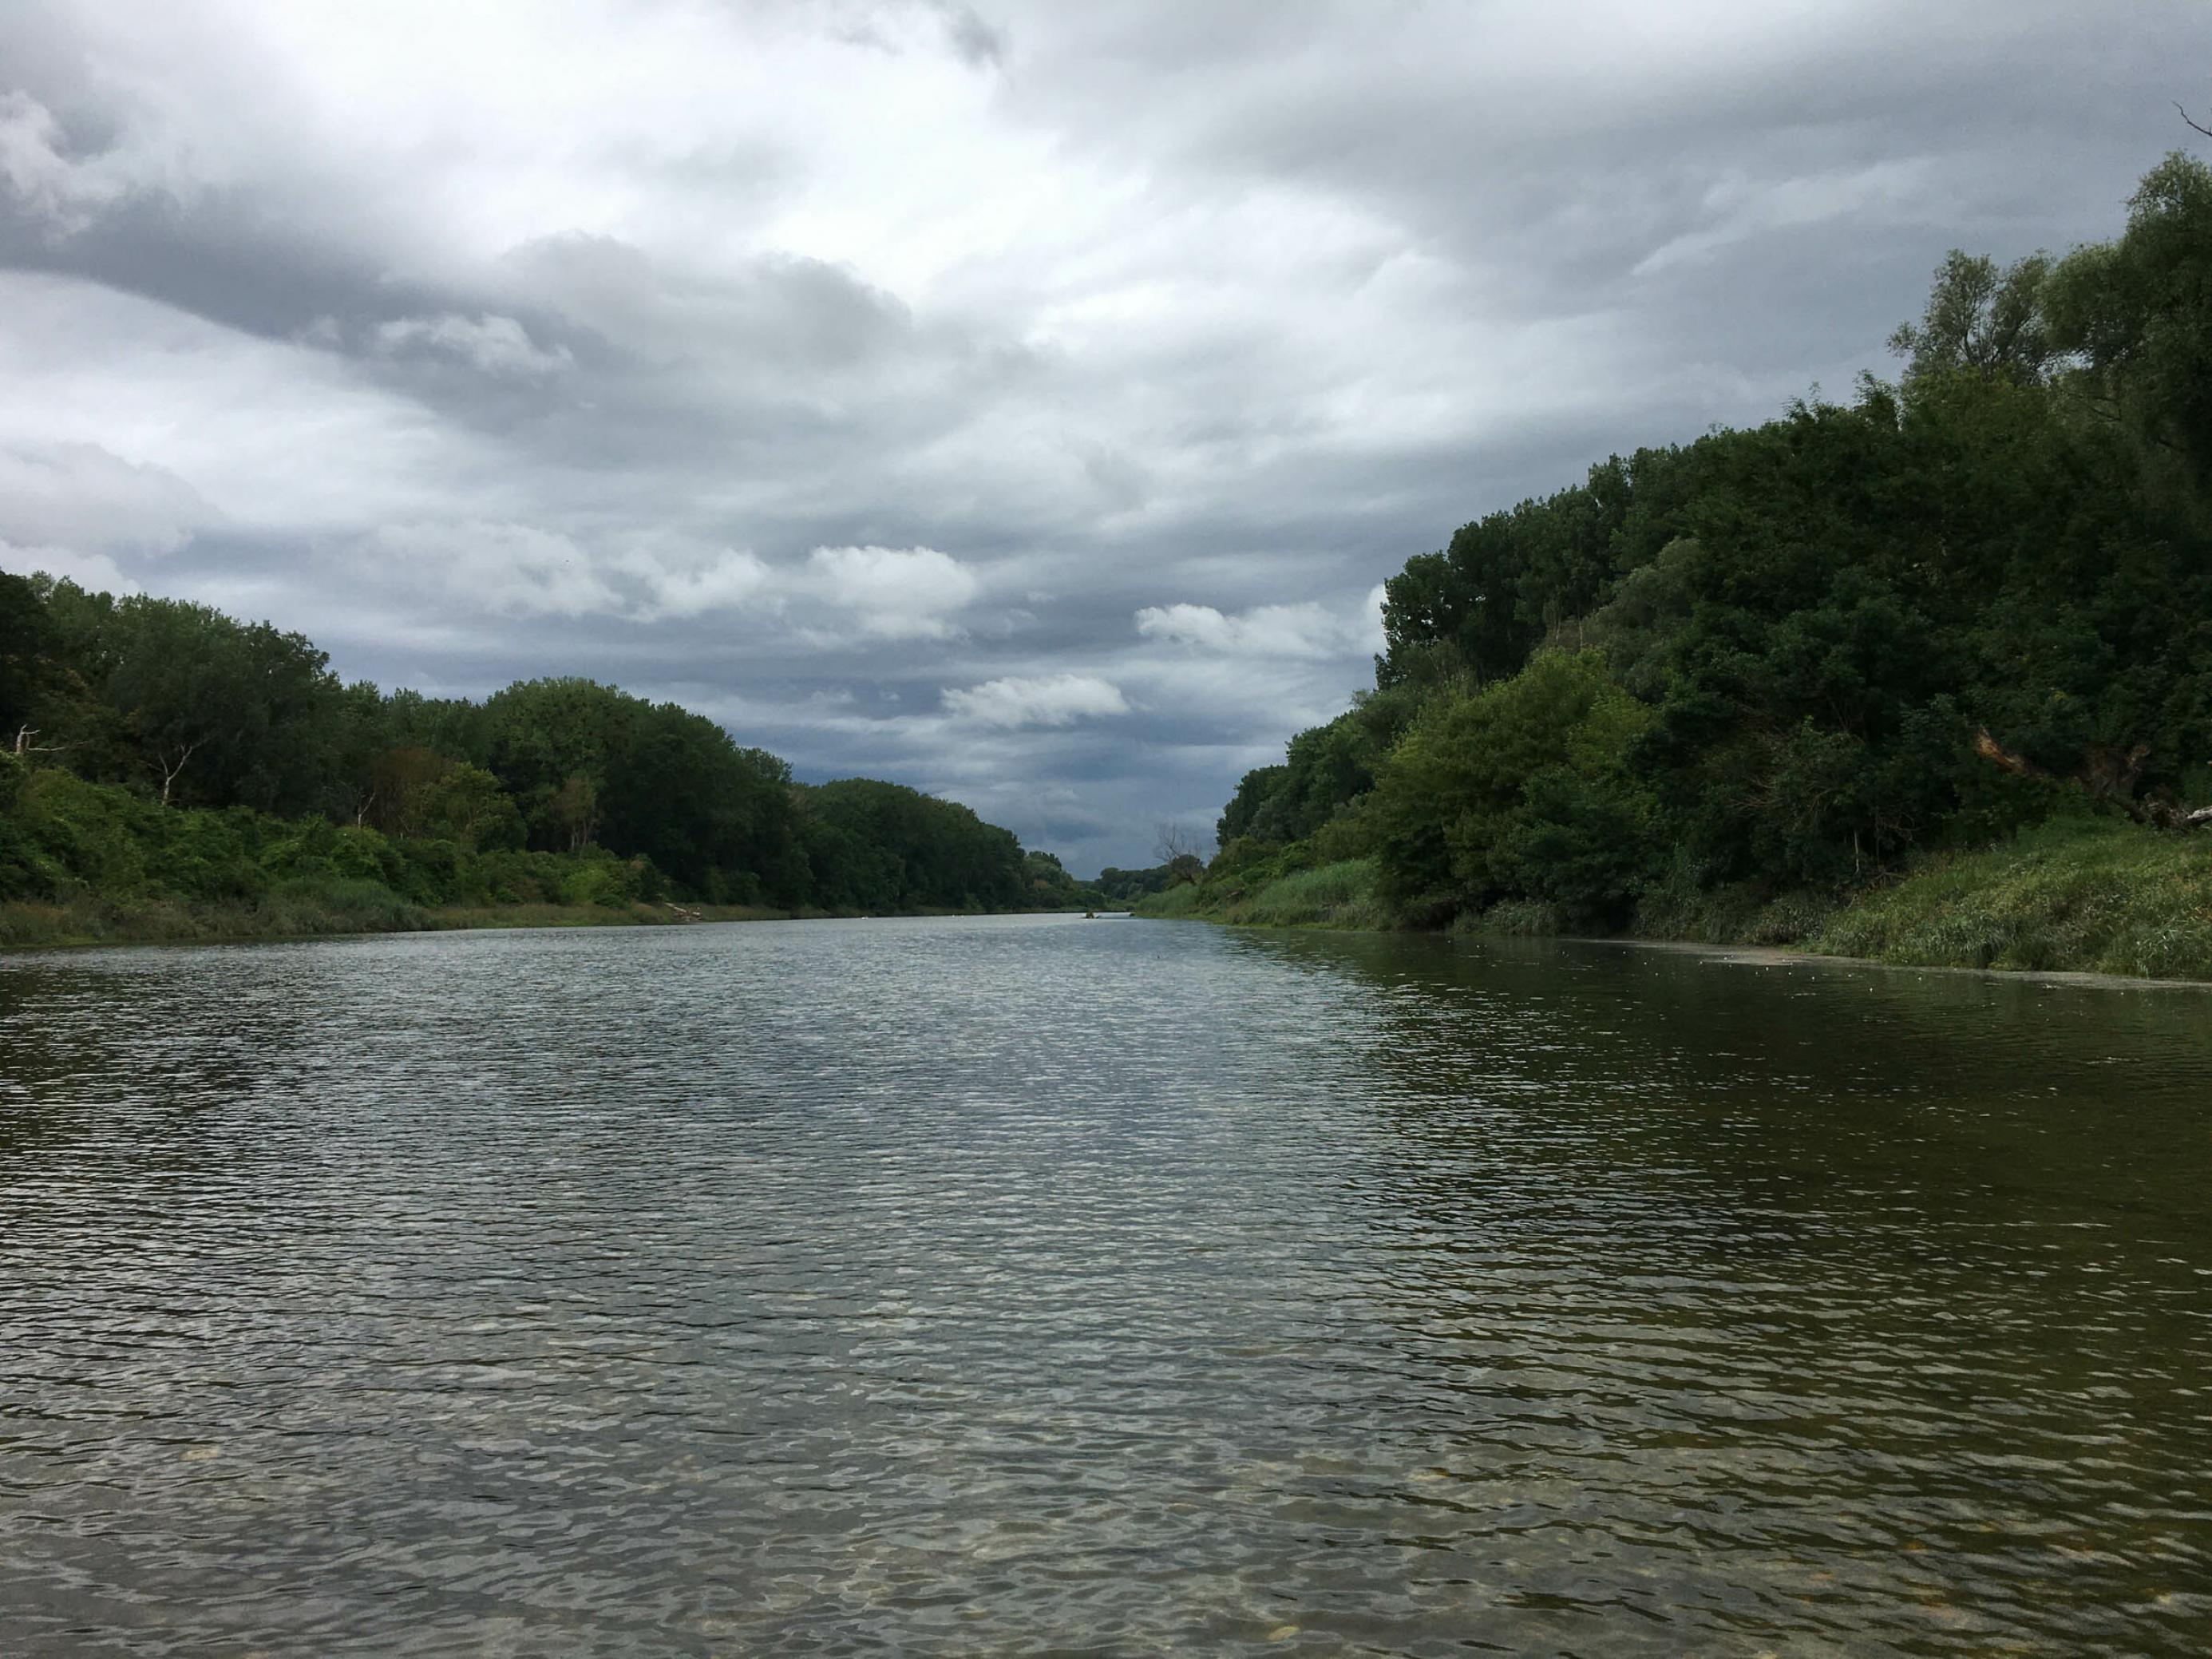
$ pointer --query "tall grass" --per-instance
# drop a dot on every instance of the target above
(2095, 895)
(1173, 902)
(295, 909)
(1732, 915)
(312, 909)
(1340, 894)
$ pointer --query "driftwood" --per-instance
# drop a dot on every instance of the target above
(2106, 774)
(683, 914)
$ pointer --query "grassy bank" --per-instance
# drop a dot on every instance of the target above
(324, 910)
(86, 863)
(314, 910)
(1341, 895)
(2097, 897)
(292, 911)
(2091, 896)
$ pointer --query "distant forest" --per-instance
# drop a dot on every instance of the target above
(154, 749)
(1785, 661)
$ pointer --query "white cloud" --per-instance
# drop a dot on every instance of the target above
(491, 344)
(1740, 207)
(93, 571)
(735, 577)
(1049, 700)
(83, 496)
(510, 569)
(1308, 630)
(517, 569)
(62, 193)
(894, 592)
(629, 320)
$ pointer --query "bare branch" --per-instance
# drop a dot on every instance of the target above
(24, 746)
(170, 767)
(2183, 113)
(1178, 841)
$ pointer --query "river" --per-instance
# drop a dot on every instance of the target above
(1037, 1285)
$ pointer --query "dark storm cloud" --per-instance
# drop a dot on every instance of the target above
(1022, 401)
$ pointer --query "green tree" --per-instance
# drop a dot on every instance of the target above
(2137, 314)
(1981, 318)
(1521, 790)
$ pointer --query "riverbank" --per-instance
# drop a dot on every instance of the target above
(2084, 896)
(336, 911)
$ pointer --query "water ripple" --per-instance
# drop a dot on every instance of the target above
(1035, 1286)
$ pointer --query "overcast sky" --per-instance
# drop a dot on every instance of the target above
(1021, 401)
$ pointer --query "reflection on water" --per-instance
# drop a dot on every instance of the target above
(1034, 1284)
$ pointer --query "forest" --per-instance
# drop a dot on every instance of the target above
(1719, 690)
(167, 769)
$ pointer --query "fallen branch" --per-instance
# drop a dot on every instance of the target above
(1990, 749)
(2106, 776)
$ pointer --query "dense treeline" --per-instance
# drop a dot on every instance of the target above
(1764, 668)
(158, 749)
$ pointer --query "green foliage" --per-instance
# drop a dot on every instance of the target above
(1050, 887)
(199, 708)
(1980, 318)
(937, 854)
(1125, 886)
(1185, 899)
(1286, 890)
(2137, 314)
(2088, 894)
(1520, 791)
(1339, 894)
(1716, 687)
(172, 757)
(26, 656)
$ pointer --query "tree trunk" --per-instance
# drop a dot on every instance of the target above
(170, 768)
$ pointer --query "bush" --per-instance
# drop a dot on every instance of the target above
(1519, 918)
(1519, 791)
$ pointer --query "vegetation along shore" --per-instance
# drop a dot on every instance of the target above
(1925, 676)
(169, 774)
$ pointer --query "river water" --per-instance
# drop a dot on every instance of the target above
(1036, 1285)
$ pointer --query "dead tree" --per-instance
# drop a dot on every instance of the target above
(170, 759)
(25, 748)
(2106, 774)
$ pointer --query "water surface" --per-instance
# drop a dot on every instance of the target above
(1031, 1285)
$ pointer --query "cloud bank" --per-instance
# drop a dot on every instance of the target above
(1039, 439)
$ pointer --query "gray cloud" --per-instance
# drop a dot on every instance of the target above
(1019, 400)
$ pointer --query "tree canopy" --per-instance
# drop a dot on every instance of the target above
(187, 709)
(1786, 658)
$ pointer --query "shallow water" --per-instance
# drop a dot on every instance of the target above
(1035, 1284)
